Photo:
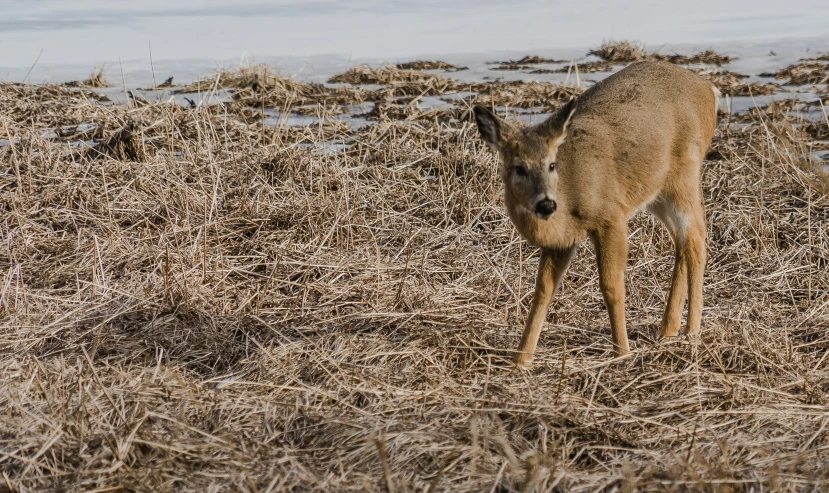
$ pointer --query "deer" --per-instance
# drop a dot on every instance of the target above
(633, 141)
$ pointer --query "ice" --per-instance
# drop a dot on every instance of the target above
(323, 37)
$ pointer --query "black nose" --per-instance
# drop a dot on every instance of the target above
(545, 207)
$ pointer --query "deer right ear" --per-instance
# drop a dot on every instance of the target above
(490, 126)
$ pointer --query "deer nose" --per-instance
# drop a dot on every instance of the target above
(545, 207)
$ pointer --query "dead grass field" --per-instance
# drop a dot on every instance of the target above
(202, 302)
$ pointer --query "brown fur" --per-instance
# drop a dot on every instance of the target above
(635, 139)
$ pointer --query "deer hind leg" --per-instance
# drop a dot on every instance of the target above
(695, 254)
(686, 222)
(551, 268)
(676, 220)
(612, 254)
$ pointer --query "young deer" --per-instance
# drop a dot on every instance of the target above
(636, 139)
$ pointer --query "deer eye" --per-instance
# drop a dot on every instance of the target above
(552, 167)
(520, 170)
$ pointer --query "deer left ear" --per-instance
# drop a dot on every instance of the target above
(489, 125)
(494, 131)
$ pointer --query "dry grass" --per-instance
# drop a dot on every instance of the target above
(520, 94)
(613, 53)
(95, 80)
(587, 67)
(241, 308)
(165, 84)
(807, 71)
(624, 52)
(526, 62)
(400, 82)
(732, 83)
(709, 57)
(412, 111)
(631, 51)
(620, 51)
(532, 59)
(430, 65)
(253, 79)
(573, 68)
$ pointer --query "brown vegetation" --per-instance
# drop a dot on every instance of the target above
(543, 95)
(429, 65)
(586, 67)
(318, 308)
(613, 53)
(398, 82)
(709, 57)
(808, 71)
(620, 51)
(732, 83)
(526, 62)
(95, 80)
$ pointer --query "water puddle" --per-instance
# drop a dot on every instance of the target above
(275, 118)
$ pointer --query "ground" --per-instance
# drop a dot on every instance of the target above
(206, 302)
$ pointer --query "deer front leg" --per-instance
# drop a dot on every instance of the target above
(551, 268)
(612, 254)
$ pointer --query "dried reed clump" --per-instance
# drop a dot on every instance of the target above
(583, 67)
(252, 82)
(165, 84)
(613, 54)
(396, 82)
(533, 59)
(363, 74)
(749, 88)
(95, 80)
(817, 130)
(257, 86)
(807, 71)
(790, 142)
(283, 97)
(49, 105)
(720, 77)
(316, 308)
(520, 94)
(629, 51)
(430, 65)
(731, 83)
(624, 52)
(126, 144)
(524, 63)
(709, 57)
(320, 108)
(168, 82)
(779, 109)
(573, 68)
(412, 111)
(620, 51)
(252, 76)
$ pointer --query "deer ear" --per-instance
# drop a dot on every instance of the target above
(555, 127)
(490, 126)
